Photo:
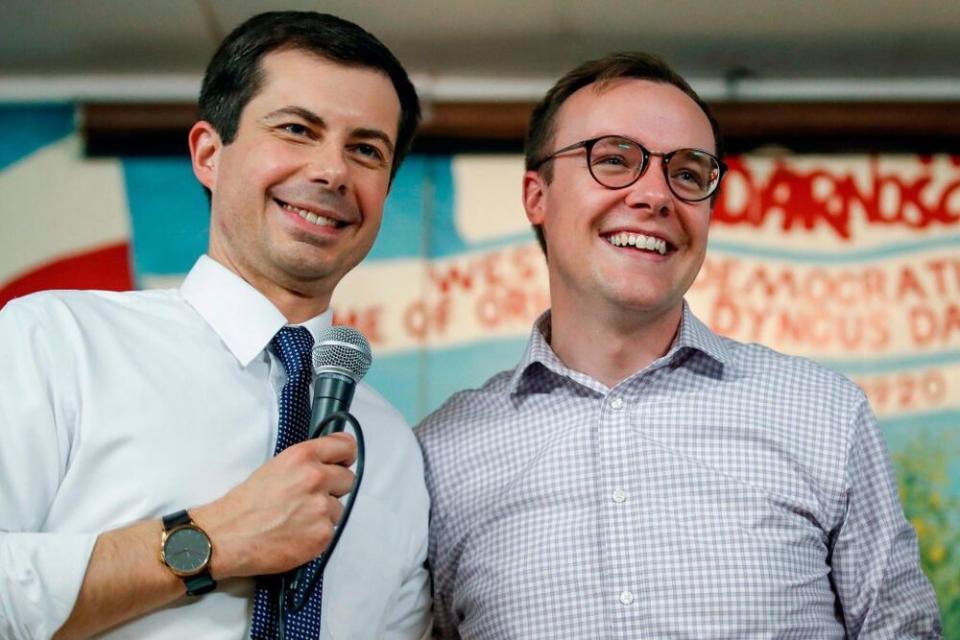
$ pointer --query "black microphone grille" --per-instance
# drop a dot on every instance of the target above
(344, 350)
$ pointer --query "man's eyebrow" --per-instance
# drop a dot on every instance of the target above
(300, 112)
(317, 121)
(376, 134)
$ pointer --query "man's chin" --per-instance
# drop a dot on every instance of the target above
(645, 302)
(306, 277)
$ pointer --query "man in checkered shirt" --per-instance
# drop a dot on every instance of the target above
(636, 475)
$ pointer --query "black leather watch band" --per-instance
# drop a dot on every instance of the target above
(176, 519)
(199, 583)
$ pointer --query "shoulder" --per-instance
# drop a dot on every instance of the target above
(393, 489)
(69, 314)
(51, 307)
(789, 373)
(69, 325)
(388, 420)
(454, 417)
(389, 441)
(792, 395)
(454, 436)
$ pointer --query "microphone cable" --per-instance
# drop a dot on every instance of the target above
(291, 602)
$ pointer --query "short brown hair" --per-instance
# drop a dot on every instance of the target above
(235, 73)
(628, 64)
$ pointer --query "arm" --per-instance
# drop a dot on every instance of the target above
(444, 619)
(411, 607)
(48, 576)
(278, 519)
(876, 570)
(438, 555)
(40, 573)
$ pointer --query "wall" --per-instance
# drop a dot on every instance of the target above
(850, 260)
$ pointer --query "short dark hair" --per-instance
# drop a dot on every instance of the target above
(235, 73)
(629, 64)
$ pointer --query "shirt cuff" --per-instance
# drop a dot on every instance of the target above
(40, 578)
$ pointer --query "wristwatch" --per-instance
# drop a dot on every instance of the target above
(185, 549)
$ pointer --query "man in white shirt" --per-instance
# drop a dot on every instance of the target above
(120, 409)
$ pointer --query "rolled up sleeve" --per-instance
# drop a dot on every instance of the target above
(40, 572)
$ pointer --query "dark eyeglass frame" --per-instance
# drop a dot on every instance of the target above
(645, 155)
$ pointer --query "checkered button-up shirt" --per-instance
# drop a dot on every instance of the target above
(724, 491)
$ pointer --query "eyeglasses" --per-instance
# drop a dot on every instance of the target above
(616, 162)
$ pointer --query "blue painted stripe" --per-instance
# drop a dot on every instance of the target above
(169, 215)
(740, 249)
(844, 256)
(934, 421)
(501, 242)
(26, 128)
(867, 366)
(404, 213)
(418, 382)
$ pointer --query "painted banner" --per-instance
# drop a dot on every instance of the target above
(853, 261)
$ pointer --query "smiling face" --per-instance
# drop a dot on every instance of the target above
(297, 197)
(626, 252)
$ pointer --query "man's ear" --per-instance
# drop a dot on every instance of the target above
(534, 197)
(205, 146)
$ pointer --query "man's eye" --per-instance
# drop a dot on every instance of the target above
(687, 175)
(612, 161)
(295, 129)
(369, 151)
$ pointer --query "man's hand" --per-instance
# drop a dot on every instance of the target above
(284, 514)
(279, 518)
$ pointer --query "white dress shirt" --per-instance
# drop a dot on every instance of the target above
(116, 407)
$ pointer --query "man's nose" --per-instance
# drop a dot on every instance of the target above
(328, 167)
(651, 191)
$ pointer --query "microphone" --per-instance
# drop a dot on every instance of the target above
(341, 357)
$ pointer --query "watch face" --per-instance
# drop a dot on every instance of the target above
(186, 550)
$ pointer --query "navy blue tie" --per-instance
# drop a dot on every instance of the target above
(293, 345)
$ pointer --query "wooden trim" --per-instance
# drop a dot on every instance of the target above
(837, 118)
(806, 126)
(134, 117)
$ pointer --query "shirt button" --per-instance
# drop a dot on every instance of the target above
(616, 403)
(626, 597)
(619, 495)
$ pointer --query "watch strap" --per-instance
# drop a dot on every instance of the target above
(176, 519)
(198, 584)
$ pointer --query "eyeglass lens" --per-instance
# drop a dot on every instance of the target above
(617, 162)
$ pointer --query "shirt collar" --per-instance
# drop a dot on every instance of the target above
(540, 355)
(245, 320)
(692, 335)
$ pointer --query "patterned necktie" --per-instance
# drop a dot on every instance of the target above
(293, 345)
